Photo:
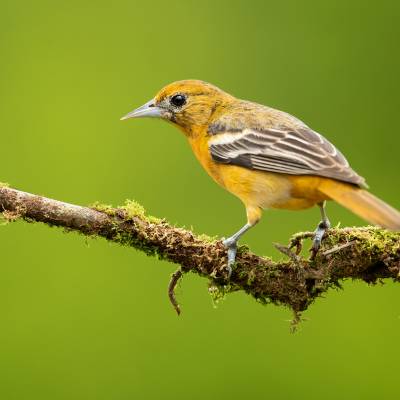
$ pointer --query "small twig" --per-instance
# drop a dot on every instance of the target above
(295, 322)
(338, 248)
(287, 251)
(175, 277)
(297, 240)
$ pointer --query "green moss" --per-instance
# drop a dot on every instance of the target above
(251, 277)
(371, 244)
(208, 239)
(8, 216)
(131, 209)
(126, 239)
(218, 293)
(134, 209)
(295, 322)
(272, 272)
(105, 208)
(371, 239)
(154, 220)
(243, 248)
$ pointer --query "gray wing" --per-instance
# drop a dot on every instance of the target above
(294, 151)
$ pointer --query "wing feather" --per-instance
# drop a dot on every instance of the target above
(288, 150)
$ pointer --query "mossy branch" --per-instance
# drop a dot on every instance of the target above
(367, 253)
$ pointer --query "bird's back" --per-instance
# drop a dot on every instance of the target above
(262, 138)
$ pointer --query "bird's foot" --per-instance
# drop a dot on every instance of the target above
(319, 233)
(231, 245)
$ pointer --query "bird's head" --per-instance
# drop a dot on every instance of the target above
(188, 104)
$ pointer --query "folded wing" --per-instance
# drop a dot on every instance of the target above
(294, 151)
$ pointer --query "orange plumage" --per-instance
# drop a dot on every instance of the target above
(266, 157)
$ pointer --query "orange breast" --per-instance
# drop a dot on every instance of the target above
(202, 153)
(259, 188)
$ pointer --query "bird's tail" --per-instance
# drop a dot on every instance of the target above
(362, 203)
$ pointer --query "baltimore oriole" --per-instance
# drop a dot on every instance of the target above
(266, 157)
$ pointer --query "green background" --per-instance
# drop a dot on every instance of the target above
(90, 320)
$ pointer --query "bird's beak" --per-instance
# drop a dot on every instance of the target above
(146, 110)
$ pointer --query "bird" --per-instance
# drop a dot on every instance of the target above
(266, 157)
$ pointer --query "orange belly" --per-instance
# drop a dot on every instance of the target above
(258, 188)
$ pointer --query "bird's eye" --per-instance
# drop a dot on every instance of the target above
(178, 100)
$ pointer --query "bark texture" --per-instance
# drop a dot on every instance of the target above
(366, 253)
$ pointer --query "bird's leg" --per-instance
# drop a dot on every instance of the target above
(253, 216)
(321, 229)
(231, 245)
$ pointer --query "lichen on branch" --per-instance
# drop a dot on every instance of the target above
(368, 253)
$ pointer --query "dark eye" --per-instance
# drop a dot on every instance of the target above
(178, 100)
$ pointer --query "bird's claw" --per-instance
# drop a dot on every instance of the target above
(319, 233)
(231, 245)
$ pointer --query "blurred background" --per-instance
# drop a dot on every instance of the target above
(84, 319)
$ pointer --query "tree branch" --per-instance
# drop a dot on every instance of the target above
(367, 253)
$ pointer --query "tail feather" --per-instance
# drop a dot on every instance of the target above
(362, 203)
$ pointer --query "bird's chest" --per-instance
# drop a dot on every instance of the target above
(201, 150)
(260, 189)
